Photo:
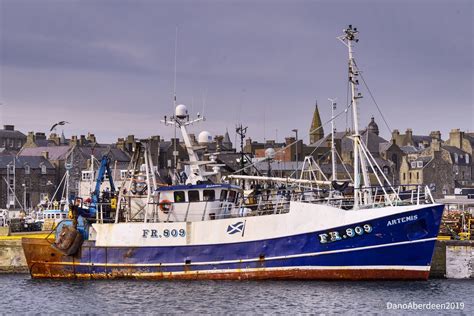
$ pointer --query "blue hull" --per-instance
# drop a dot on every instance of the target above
(392, 247)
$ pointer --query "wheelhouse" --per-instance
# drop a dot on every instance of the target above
(198, 202)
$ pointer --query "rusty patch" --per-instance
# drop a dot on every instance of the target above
(43, 262)
(129, 253)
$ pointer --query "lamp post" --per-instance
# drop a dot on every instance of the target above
(296, 168)
(24, 196)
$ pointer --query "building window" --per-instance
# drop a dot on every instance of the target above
(2, 143)
(193, 196)
(209, 195)
(404, 176)
(86, 175)
(413, 164)
(419, 164)
(179, 196)
(27, 169)
(123, 174)
(455, 158)
(18, 143)
(409, 176)
(417, 175)
(11, 142)
(43, 169)
(467, 159)
(11, 168)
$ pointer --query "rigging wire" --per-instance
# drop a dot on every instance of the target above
(372, 97)
(293, 143)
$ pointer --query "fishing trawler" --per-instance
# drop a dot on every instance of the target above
(207, 230)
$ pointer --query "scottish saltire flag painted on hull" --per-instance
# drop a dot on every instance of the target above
(384, 243)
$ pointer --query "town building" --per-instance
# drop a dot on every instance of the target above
(441, 167)
(11, 140)
(26, 181)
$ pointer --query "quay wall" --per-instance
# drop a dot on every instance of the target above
(12, 259)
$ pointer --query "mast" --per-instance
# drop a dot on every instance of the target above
(333, 146)
(181, 120)
(348, 39)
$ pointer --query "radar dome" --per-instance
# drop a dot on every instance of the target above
(270, 153)
(204, 137)
(181, 111)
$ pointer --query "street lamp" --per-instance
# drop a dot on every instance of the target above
(24, 196)
(296, 168)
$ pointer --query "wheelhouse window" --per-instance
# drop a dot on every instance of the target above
(179, 196)
(231, 196)
(209, 195)
(223, 195)
(193, 196)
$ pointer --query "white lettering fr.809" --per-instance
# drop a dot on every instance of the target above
(350, 232)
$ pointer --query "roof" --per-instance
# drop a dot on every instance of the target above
(410, 149)
(327, 168)
(421, 139)
(54, 152)
(370, 139)
(458, 156)
(384, 146)
(198, 186)
(279, 166)
(424, 159)
(452, 150)
(115, 154)
(22, 161)
(11, 134)
(327, 138)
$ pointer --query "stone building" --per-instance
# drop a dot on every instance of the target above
(11, 140)
(417, 141)
(75, 153)
(461, 140)
(439, 166)
(26, 181)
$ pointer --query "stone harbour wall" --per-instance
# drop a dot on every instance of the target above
(12, 259)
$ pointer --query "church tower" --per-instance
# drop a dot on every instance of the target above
(316, 130)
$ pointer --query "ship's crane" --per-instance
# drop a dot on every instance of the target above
(104, 170)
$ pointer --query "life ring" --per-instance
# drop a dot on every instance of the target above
(165, 206)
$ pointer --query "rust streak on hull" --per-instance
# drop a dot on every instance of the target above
(46, 262)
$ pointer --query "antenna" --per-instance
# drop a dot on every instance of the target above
(333, 146)
(264, 121)
(174, 96)
(241, 131)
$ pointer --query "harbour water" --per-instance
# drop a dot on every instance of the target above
(20, 294)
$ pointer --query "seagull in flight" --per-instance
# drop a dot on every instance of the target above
(58, 123)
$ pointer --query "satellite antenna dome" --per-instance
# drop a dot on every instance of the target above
(270, 153)
(204, 137)
(181, 111)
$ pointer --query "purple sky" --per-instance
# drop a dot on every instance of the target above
(107, 66)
